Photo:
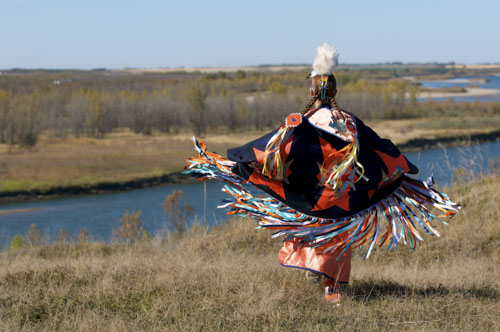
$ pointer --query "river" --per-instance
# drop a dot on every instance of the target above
(484, 82)
(100, 214)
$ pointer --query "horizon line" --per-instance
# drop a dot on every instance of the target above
(283, 66)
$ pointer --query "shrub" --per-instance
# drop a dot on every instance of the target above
(131, 228)
(34, 237)
(17, 242)
(63, 236)
(83, 236)
(176, 214)
(146, 236)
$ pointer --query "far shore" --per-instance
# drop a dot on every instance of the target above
(278, 68)
(470, 92)
(99, 188)
(211, 70)
(11, 211)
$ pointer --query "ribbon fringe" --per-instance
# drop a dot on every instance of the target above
(341, 168)
(273, 165)
(390, 222)
(210, 165)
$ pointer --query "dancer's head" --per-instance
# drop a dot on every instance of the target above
(329, 85)
(323, 85)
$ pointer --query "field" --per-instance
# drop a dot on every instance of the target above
(228, 279)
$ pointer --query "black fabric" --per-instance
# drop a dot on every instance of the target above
(303, 190)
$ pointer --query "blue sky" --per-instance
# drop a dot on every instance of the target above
(117, 34)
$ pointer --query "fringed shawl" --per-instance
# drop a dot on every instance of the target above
(325, 191)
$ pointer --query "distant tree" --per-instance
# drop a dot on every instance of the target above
(4, 115)
(211, 76)
(97, 120)
(241, 74)
(55, 112)
(277, 88)
(76, 109)
(27, 119)
(222, 112)
(196, 98)
(243, 114)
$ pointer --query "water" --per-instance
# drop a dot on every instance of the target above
(445, 84)
(492, 82)
(442, 163)
(100, 214)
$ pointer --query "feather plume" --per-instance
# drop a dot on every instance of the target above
(326, 60)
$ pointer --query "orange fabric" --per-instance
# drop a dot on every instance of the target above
(259, 155)
(327, 149)
(294, 255)
(328, 200)
(392, 163)
(276, 185)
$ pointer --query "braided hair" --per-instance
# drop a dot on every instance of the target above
(329, 99)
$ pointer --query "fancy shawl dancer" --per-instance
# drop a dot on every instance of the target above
(332, 184)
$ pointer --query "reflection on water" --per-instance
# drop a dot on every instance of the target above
(100, 214)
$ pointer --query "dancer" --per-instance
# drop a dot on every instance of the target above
(332, 184)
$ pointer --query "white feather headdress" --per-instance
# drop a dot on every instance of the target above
(326, 60)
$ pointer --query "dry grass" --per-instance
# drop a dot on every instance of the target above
(119, 157)
(229, 279)
(402, 131)
(124, 156)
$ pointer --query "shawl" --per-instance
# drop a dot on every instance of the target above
(327, 192)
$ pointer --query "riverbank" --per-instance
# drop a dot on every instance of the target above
(469, 92)
(409, 135)
(99, 188)
(228, 279)
(419, 144)
(444, 87)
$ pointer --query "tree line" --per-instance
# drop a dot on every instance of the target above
(96, 103)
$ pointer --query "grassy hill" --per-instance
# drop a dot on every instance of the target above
(228, 278)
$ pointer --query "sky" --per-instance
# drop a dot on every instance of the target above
(148, 34)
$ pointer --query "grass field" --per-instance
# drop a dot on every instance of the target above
(229, 279)
(124, 156)
(82, 161)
